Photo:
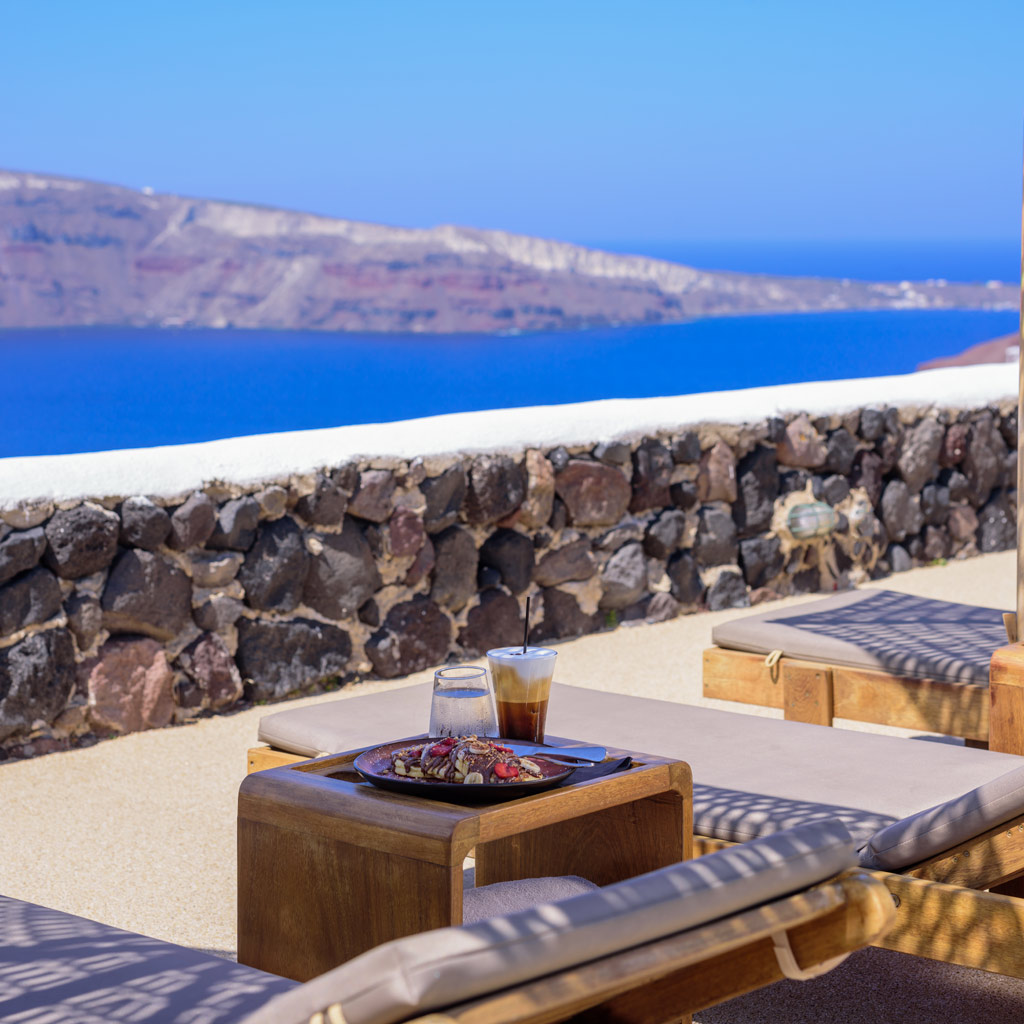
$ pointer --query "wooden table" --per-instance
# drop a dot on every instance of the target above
(330, 866)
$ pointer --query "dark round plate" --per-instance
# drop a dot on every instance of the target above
(375, 766)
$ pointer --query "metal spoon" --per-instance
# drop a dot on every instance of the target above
(571, 755)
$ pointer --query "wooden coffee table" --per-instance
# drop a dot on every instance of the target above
(330, 866)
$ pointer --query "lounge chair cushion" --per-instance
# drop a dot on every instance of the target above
(883, 630)
(335, 725)
(753, 775)
(447, 966)
(948, 824)
(58, 967)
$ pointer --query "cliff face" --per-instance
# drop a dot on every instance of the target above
(75, 253)
(1005, 349)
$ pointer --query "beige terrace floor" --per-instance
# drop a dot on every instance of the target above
(138, 832)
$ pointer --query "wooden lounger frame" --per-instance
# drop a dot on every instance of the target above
(962, 907)
(817, 692)
(670, 978)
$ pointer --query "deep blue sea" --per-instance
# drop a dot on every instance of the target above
(93, 389)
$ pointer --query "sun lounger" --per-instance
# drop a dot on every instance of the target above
(876, 656)
(648, 949)
(754, 776)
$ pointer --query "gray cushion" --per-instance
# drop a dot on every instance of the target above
(521, 894)
(58, 967)
(877, 629)
(336, 725)
(948, 824)
(447, 966)
(753, 775)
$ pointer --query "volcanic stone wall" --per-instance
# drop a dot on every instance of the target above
(134, 612)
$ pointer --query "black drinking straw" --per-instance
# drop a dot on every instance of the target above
(526, 625)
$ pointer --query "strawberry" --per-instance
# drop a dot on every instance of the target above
(506, 771)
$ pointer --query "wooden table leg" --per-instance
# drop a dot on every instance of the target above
(605, 846)
(307, 903)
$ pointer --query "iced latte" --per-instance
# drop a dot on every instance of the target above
(522, 685)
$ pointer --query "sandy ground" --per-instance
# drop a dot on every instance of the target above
(139, 832)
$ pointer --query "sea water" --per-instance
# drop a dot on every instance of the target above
(91, 389)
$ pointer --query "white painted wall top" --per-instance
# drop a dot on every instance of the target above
(246, 461)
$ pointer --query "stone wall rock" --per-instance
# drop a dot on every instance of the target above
(278, 657)
(129, 686)
(573, 561)
(29, 599)
(455, 564)
(193, 522)
(37, 676)
(144, 524)
(415, 635)
(594, 494)
(342, 573)
(20, 550)
(81, 540)
(497, 487)
(652, 476)
(325, 505)
(235, 526)
(274, 571)
(495, 622)
(511, 554)
(209, 665)
(147, 594)
(624, 578)
(374, 500)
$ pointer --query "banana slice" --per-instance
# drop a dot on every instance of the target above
(415, 773)
(400, 768)
(474, 779)
(529, 765)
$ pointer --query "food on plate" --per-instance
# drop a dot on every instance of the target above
(468, 759)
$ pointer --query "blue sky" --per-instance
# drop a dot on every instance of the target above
(642, 120)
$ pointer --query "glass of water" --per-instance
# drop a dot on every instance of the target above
(462, 703)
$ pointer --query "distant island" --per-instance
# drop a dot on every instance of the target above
(81, 253)
(1004, 349)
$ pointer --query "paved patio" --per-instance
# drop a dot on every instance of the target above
(139, 832)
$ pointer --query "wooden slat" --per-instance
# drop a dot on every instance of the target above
(703, 845)
(261, 758)
(956, 925)
(988, 860)
(742, 677)
(806, 692)
(953, 709)
(662, 980)
(859, 694)
(1006, 683)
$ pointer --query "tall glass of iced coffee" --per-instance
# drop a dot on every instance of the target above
(522, 685)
